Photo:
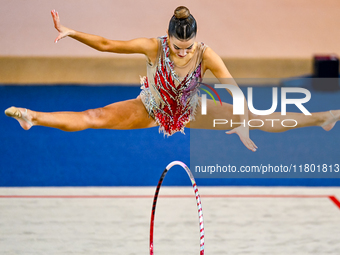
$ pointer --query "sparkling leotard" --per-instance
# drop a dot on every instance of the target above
(168, 98)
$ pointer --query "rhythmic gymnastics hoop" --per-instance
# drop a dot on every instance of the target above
(198, 200)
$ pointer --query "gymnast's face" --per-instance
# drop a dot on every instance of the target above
(181, 48)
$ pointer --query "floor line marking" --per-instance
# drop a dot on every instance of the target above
(169, 196)
(331, 197)
(335, 201)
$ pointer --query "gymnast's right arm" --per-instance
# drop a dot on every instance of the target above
(144, 46)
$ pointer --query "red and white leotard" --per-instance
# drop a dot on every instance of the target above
(169, 92)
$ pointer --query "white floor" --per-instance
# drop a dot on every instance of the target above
(47, 222)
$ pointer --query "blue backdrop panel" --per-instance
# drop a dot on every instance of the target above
(50, 157)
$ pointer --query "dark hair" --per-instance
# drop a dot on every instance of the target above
(182, 25)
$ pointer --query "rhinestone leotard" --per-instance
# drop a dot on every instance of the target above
(169, 99)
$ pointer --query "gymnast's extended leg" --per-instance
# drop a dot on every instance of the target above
(268, 123)
(130, 114)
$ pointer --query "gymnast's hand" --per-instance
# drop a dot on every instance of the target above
(63, 31)
(243, 133)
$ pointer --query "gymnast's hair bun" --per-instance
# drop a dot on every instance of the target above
(182, 24)
(181, 12)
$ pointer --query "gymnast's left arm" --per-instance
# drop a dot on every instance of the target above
(214, 63)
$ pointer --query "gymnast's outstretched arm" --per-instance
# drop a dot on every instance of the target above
(146, 46)
(214, 63)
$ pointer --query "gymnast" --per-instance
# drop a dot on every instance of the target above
(169, 96)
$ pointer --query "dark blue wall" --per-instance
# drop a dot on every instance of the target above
(50, 157)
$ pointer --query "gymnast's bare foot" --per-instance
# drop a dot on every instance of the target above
(22, 115)
(333, 117)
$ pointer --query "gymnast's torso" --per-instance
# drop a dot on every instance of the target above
(170, 92)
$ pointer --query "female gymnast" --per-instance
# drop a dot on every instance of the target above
(176, 63)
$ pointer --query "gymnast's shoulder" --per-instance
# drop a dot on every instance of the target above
(213, 62)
